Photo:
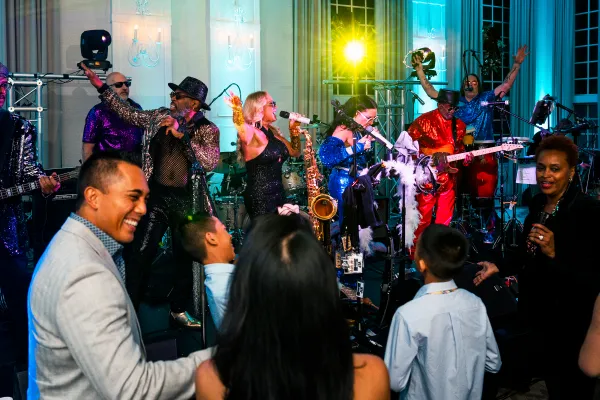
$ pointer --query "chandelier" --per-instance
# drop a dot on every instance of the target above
(240, 49)
(146, 53)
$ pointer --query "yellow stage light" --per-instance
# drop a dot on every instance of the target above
(354, 51)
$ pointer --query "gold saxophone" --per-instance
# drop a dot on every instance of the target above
(321, 207)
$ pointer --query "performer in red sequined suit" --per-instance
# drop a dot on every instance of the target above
(434, 132)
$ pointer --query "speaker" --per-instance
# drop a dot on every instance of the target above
(48, 214)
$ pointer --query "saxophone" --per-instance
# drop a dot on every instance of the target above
(321, 207)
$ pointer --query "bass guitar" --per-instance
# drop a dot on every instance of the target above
(30, 186)
(432, 175)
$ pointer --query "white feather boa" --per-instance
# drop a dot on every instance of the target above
(366, 237)
(409, 178)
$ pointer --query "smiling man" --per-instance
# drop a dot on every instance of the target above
(84, 339)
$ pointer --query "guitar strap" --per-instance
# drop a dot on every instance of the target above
(7, 131)
(454, 132)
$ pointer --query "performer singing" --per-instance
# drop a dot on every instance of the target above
(175, 140)
(18, 164)
(470, 109)
(337, 151)
(439, 131)
(263, 149)
(104, 130)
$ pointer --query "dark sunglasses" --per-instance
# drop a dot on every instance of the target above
(272, 104)
(452, 108)
(119, 85)
(179, 95)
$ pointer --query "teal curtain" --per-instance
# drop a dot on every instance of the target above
(463, 32)
(523, 93)
(563, 77)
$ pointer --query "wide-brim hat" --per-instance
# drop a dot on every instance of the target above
(448, 96)
(194, 88)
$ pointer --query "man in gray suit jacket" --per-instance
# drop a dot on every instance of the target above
(85, 341)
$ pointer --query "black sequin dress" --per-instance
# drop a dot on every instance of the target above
(264, 192)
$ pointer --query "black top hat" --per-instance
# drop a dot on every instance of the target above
(194, 88)
(448, 96)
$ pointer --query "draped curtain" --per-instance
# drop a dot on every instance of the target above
(392, 24)
(29, 43)
(464, 24)
(563, 77)
(522, 95)
(311, 57)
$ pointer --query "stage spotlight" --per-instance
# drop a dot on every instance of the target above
(94, 48)
(354, 51)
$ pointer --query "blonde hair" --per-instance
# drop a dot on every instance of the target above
(253, 106)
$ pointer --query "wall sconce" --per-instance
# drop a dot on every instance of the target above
(144, 53)
(240, 50)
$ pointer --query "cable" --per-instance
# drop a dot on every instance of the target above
(224, 90)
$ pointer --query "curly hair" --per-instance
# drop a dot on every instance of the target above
(562, 144)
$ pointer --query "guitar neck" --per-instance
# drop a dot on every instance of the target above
(462, 156)
(30, 186)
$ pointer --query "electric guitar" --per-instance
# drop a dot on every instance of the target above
(431, 175)
(28, 187)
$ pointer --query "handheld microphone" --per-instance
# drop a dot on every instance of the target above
(295, 116)
(469, 88)
(416, 97)
(494, 103)
(375, 133)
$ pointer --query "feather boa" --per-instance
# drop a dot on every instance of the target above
(409, 178)
(366, 237)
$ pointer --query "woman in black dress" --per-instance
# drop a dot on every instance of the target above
(559, 274)
(263, 150)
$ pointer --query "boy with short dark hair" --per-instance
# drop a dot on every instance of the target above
(441, 342)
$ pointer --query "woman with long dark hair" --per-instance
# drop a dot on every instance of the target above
(337, 152)
(283, 335)
(559, 278)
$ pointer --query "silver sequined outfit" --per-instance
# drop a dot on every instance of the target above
(20, 166)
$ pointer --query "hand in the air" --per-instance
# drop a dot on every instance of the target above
(233, 100)
(49, 184)
(91, 75)
(544, 238)
(468, 159)
(417, 60)
(521, 54)
(488, 269)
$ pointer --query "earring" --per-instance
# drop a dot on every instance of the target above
(570, 179)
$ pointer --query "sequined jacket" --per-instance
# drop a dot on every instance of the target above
(20, 166)
(204, 140)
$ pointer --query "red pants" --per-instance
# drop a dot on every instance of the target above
(445, 209)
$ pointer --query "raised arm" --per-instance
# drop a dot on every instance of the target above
(129, 114)
(505, 86)
(418, 66)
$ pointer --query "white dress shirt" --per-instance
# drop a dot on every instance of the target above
(218, 278)
(440, 344)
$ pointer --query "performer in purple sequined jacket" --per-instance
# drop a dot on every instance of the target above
(104, 130)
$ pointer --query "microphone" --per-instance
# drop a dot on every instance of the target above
(375, 133)
(416, 97)
(493, 103)
(469, 88)
(294, 116)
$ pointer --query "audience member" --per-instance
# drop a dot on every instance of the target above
(441, 343)
(589, 357)
(558, 275)
(207, 240)
(85, 339)
(283, 335)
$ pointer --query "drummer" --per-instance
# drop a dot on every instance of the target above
(470, 110)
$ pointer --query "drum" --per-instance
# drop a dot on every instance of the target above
(293, 183)
(482, 174)
(231, 211)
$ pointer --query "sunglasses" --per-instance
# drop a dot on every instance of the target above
(179, 95)
(368, 119)
(451, 108)
(119, 85)
(272, 103)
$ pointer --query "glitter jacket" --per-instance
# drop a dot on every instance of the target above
(20, 166)
(109, 132)
(204, 139)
